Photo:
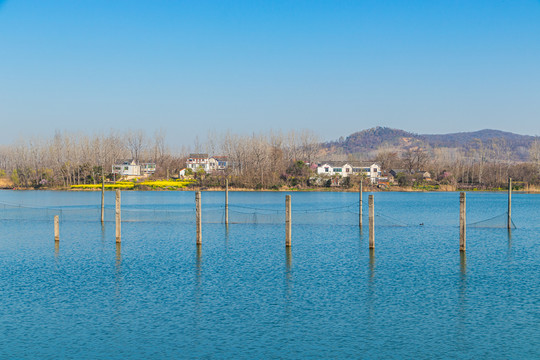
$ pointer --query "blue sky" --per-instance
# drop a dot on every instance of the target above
(335, 67)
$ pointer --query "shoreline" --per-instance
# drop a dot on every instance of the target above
(336, 190)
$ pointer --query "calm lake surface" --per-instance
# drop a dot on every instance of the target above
(243, 295)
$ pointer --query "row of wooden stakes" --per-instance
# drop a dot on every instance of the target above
(288, 217)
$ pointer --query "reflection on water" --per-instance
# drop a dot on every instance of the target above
(462, 264)
(198, 263)
(371, 265)
(371, 287)
(462, 296)
(288, 272)
(226, 236)
(509, 241)
(56, 249)
(198, 317)
(103, 233)
(150, 298)
(198, 274)
(118, 280)
(118, 263)
(118, 268)
(360, 239)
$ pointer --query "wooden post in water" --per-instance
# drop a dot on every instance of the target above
(509, 203)
(198, 217)
(226, 201)
(361, 190)
(462, 222)
(288, 221)
(102, 198)
(371, 222)
(118, 217)
(56, 228)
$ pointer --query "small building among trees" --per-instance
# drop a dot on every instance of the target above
(349, 168)
(196, 162)
(131, 168)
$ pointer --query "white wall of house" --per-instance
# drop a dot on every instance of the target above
(325, 169)
(347, 170)
(372, 172)
(198, 163)
(217, 163)
(207, 164)
(126, 169)
(148, 168)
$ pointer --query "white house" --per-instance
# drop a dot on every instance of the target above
(127, 168)
(217, 163)
(348, 168)
(148, 168)
(208, 164)
(198, 161)
(131, 168)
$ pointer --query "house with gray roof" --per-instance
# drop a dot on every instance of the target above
(349, 168)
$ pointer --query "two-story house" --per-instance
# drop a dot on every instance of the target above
(131, 168)
(126, 168)
(198, 161)
(347, 168)
(208, 164)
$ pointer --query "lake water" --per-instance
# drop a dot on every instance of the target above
(243, 295)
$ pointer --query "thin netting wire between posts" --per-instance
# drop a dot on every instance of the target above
(337, 215)
(23, 212)
(388, 221)
(496, 222)
(344, 215)
(92, 213)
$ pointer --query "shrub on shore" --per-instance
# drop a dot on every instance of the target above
(128, 185)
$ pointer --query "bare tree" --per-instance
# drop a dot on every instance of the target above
(387, 158)
(136, 143)
(534, 154)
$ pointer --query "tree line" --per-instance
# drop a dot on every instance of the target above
(483, 165)
(260, 160)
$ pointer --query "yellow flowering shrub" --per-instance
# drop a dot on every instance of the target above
(121, 185)
(165, 184)
(128, 185)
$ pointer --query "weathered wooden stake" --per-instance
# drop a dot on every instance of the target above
(462, 222)
(198, 217)
(103, 198)
(118, 217)
(360, 206)
(56, 228)
(371, 222)
(288, 221)
(226, 201)
(509, 203)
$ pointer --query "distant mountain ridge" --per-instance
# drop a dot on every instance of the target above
(369, 140)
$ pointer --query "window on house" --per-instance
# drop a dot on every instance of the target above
(325, 169)
(337, 169)
(347, 170)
